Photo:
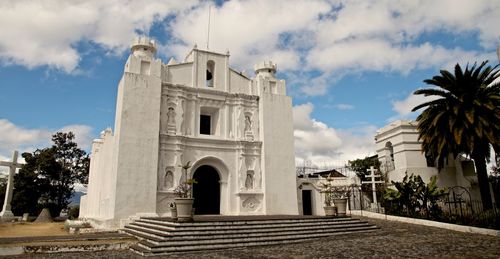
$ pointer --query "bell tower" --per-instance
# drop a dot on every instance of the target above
(276, 127)
(265, 69)
(137, 124)
(143, 47)
(142, 58)
(265, 78)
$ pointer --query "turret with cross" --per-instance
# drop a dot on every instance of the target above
(13, 166)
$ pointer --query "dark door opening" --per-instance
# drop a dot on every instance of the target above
(206, 192)
(306, 202)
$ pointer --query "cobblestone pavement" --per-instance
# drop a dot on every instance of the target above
(393, 240)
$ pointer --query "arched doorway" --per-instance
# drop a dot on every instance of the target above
(206, 192)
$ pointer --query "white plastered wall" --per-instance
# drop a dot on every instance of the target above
(279, 163)
(408, 157)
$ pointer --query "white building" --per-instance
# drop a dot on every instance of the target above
(400, 152)
(310, 189)
(236, 131)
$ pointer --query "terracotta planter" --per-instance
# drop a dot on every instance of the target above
(341, 205)
(184, 209)
(330, 211)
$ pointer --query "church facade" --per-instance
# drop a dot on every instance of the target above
(236, 133)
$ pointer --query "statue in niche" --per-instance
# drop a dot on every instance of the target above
(171, 116)
(169, 180)
(248, 123)
(249, 181)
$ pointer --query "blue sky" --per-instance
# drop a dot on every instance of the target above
(350, 66)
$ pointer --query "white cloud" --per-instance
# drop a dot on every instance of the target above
(83, 134)
(252, 30)
(337, 38)
(46, 32)
(13, 137)
(380, 55)
(330, 38)
(321, 144)
(403, 107)
(344, 106)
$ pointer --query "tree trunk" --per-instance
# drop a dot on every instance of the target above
(482, 179)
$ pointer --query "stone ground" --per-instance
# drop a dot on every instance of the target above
(393, 240)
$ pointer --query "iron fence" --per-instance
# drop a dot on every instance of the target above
(455, 207)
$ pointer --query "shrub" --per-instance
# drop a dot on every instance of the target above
(74, 212)
(414, 198)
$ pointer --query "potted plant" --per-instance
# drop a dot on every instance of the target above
(327, 189)
(339, 197)
(184, 200)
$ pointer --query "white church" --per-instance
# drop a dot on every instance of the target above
(236, 131)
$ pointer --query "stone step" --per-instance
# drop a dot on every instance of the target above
(144, 249)
(160, 232)
(163, 237)
(255, 236)
(142, 236)
(147, 234)
(253, 225)
(164, 222)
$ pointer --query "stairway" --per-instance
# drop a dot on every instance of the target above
(162, 236)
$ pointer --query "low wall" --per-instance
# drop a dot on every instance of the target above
(424, 222)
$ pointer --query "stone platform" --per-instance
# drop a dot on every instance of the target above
(160, 236)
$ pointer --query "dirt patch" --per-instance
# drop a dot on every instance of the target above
(28, 229)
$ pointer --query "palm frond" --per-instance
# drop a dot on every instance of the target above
(430, 103)
(428, 92)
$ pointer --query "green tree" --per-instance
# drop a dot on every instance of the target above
(3, 189)
(28, 186)
(464, 119)
(361, 166)
(49, 175)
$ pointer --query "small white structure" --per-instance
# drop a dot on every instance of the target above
(309, 192)
(400, 152)
(236, 131)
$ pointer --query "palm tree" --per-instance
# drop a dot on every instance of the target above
(464, 119)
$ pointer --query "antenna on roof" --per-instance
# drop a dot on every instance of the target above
(208, 30)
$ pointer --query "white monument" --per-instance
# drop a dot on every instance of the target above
(373, 183)
(236, 131)
(400, 152)
(13, 165)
